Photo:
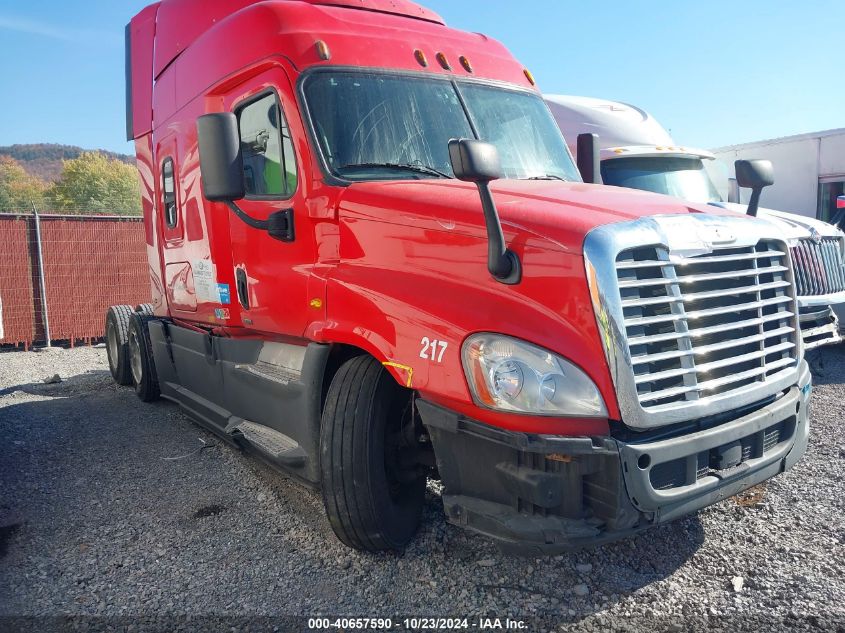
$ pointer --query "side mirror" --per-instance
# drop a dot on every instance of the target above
(588, 159)
(222, 168)
(221, 162)
(478, 162)
(754, 175)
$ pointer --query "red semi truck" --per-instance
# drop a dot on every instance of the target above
(373, 262)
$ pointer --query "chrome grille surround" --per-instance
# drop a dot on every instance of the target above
(818, 266)
(718, 295)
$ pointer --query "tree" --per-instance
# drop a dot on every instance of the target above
(95, 183)
(18, 190)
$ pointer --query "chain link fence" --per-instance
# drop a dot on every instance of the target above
(60, 273)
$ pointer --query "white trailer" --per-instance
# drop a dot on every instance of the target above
(810, 170)
(636, 151)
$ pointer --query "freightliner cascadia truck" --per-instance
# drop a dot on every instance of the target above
(373, 262)
(636, 151)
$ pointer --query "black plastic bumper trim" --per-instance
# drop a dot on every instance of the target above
(544, 494)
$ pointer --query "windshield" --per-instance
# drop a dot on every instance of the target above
(680, 177)
(376, 126)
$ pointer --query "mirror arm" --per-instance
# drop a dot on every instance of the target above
(502, 263)
(754, 203)
(279, 225)
(249, 221)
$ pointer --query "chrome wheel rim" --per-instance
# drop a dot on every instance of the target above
(135, 356)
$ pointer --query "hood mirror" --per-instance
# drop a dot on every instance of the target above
(754, 175)
(478, 162)
(588, 159)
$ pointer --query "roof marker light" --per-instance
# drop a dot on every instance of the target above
(323, 51)
(659, 149)
(444, 63)
(421, 58)
(465, 63)
(618, 151)
(529, 77)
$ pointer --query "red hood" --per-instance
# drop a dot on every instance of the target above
(561, 212)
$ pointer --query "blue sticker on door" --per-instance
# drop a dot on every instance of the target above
(225, 296)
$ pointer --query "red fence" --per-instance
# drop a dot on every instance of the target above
(17, 295)
(89, 263)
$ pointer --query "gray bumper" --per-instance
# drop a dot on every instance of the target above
(536, 494)
(682, 474)
(839, 311)
(819, 325)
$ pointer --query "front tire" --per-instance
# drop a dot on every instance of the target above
(141, 362)
(373, 501)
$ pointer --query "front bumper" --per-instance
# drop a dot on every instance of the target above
(536, 494)
(819, 325)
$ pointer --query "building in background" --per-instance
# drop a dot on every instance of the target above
(809, 171)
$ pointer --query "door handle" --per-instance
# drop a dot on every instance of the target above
(242, 287)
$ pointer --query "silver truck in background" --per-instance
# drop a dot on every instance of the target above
(635, 151)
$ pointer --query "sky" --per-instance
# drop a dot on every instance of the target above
(714, 72)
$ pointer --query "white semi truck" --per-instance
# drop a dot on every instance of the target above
(635, 151)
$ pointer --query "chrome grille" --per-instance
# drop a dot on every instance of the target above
(705, 325)
(818, 267)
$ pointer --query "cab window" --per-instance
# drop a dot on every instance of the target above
(168, 188)
(267, 148)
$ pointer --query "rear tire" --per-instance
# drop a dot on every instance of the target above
(117, 347)
(141, 362)
(373, 503)
(145, 308)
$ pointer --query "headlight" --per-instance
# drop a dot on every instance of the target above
(511, 375)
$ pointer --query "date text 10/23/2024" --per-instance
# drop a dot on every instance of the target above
(417, 624)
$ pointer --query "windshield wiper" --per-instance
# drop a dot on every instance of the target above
(420, 169)
(546, 177)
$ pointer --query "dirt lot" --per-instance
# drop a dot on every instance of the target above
(116, 509)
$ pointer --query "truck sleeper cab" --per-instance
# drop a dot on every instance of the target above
(373, 262)
(636, 152)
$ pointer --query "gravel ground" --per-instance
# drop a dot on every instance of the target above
(110, 507)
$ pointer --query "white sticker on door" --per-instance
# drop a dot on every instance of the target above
(205, 281)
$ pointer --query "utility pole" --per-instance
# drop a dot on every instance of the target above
(41, 277)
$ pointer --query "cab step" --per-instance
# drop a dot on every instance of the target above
(272, 443)
(270, 371)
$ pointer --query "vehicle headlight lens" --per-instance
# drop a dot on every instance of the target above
(511, 375)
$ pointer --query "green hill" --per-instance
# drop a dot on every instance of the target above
(44, 160)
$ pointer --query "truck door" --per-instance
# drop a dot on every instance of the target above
(178, 278)
(271, 276)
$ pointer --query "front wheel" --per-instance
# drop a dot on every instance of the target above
(373, 489)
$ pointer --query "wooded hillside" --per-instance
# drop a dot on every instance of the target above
(91, 184)
(44, 160)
